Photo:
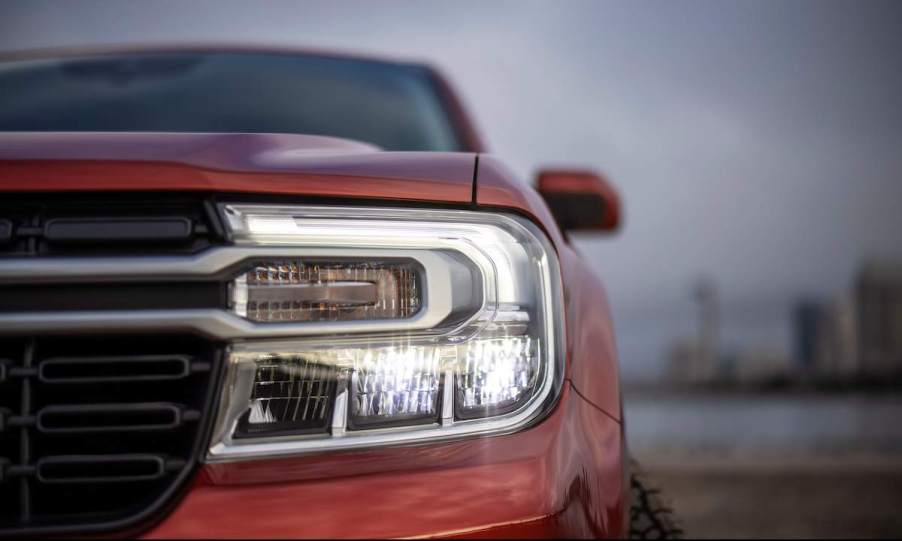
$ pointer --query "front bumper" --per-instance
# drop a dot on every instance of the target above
(560, 478)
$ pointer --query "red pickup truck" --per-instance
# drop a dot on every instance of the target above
(269, 293)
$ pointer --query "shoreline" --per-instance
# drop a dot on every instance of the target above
(768, 463)
(848, 502)
(802, 391)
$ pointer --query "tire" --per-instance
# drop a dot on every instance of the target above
(650, 518)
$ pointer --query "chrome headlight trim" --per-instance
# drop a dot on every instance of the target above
(499, 245)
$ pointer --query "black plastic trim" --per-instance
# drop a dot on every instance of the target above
(108, 223)
(136, 363)
(112, 296)
(113, 229)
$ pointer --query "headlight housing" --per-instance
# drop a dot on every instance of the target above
(404, 325)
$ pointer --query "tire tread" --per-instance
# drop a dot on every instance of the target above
(650, 517)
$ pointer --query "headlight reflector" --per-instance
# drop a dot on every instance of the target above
(291, 395)
(308, 290)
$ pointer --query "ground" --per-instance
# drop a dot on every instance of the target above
(783, 498)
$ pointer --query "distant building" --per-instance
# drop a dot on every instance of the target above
(878, 295)
(695, 360)
(826, 340)
(808, 315)
(836, 340)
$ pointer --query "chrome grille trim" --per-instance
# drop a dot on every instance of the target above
(213, 264)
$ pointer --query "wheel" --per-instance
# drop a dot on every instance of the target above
(649, 517)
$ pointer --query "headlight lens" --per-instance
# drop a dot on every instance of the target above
(309, 290)
(429, 325)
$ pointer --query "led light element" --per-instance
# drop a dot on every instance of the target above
(396, 384)
(495, 376)
(309, 290)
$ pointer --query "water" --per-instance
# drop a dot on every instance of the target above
(773, 423)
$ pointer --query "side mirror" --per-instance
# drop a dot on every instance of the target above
(580, 200)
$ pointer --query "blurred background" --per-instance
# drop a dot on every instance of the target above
(757, 283)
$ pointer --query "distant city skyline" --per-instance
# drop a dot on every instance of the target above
(756, 143)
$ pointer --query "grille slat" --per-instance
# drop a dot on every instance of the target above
(55, 224)
(25, 437)
(135, 368)
(97, 432)
(79, 419)
(121, 468)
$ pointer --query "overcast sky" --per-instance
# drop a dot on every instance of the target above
(758, 143)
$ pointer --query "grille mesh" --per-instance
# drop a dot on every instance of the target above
(97, 431)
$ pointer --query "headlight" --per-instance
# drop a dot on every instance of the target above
(410, 325)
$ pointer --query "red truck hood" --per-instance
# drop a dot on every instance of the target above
(230, 162)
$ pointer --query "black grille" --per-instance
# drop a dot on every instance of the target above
(98, 433)
(112, 296)
(101, 224)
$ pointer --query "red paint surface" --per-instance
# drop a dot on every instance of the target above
(249, 163)
(591, 346)
(560, 478)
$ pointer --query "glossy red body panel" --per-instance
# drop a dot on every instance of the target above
(561, 478)
(591, 347)
(250, 163)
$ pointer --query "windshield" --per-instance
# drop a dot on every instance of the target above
(393, 106)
